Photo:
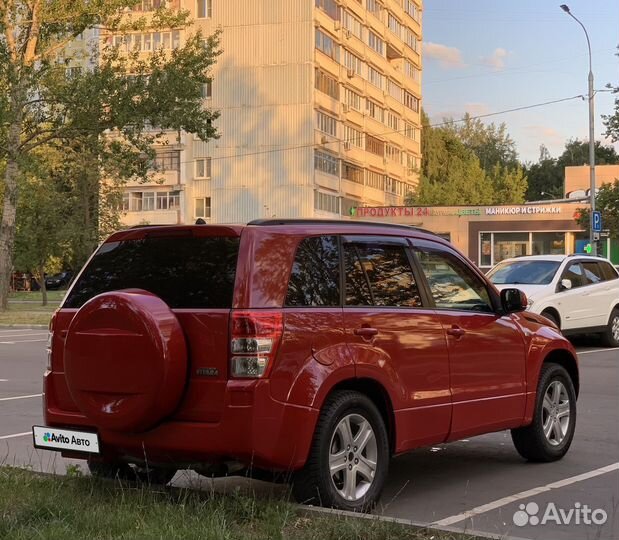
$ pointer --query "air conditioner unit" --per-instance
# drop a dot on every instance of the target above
(350, 73)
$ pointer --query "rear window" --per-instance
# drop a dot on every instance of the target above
(524, 272)
(183, 272)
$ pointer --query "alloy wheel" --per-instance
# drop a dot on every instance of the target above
(556, 413)
(353, 457)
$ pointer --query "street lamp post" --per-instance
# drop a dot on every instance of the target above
(591, 133)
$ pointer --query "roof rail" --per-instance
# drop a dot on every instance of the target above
(297, 221)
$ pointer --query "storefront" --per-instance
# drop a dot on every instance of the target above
(489, 234)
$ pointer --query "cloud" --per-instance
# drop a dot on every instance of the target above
(477, 109)
(448, 57)
(549, 135)
(497, 59)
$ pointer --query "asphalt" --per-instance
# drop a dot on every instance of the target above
(472, 485)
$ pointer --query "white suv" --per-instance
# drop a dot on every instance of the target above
(580, 294)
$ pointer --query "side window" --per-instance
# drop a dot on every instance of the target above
(453, 285)
(379, 275)
(315, 277)
(608, 271)
(574, 274)
(593, 272)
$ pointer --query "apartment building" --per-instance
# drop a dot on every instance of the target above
(320, 112)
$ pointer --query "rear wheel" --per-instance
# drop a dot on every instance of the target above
(349, 458)
(611, 336)
(549, 436)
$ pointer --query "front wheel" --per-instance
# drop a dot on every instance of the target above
(550, 435)
(611, 336)
(349, 459)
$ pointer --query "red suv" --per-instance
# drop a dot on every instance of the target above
(315, 348)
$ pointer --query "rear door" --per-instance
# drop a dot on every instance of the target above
(600, 292)
(486, 349)
(395, 337)
(575, 305)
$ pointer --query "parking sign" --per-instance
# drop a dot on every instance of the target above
(597, 222)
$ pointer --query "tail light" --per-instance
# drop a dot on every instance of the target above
(254, 339)
(50, 337)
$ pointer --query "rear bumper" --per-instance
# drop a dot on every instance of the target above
(253, 429)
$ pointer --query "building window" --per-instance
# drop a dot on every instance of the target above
(125, 202)
(397, 187)
(375, 111)
(375, 180)
(410, 131)
(375, 77)
(374, 145)
(326, 163)
(327, 45)
(411, 101)
(203, 207)
(353, 137)
(411, 40)
(353, 63)
(204, 9)
(394, 90)
(203, 168)
(352, 99)
(376, 43)
(330, 8)
(162, 200)
(352, 24)
(394, 25)
(207, 90)
(167, 161)
(393, 121)
(327, 84)
(326, 202)
(374, 7)
(148, 201)
(412, 164)
(352, 173)
(326, 123)
(411, 9)
(410, 70)
(393, 153)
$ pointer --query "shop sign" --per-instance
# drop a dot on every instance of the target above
(522, 210)
(416, 211)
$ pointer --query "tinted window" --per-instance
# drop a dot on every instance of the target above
(593, 272)
(379, 275)
(183, 272)
(574, 274)
(524, 272)
(452, 283)
(315, 277)
(608, 271)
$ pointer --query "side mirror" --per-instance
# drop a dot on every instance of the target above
(566, 284)
(513, 300)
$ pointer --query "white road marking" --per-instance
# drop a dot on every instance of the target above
(524, 495)
(22, 341)
(20, 397)
(599, 350)
(15, 435)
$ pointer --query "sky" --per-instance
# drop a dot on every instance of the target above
(485, 56)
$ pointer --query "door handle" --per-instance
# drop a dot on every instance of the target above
(456, 332)
(366, 332)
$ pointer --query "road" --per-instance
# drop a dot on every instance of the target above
(477, 484)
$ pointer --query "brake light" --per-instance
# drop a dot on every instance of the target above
(254, 339)
(50, 337)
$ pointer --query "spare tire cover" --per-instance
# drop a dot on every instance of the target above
(125, 360)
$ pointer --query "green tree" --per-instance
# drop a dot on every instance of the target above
(607, 202)
(41, 102)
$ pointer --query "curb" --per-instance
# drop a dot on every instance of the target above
(417, 526)
(24, 326)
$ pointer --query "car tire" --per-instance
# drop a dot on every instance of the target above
(610, 338)
(550, 435)
(347, 418)
(552, 317)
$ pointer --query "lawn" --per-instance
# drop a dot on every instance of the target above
(36, 296)
(27, 314)
(35, 506)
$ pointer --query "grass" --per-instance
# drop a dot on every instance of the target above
(27, 314)
(36, 506)
(36, 296)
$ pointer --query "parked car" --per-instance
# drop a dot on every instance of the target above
(58, 281)
(579, 294)
(313, 348)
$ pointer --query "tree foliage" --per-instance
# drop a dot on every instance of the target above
(472, 163)
(121, 95)
(607, 202)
